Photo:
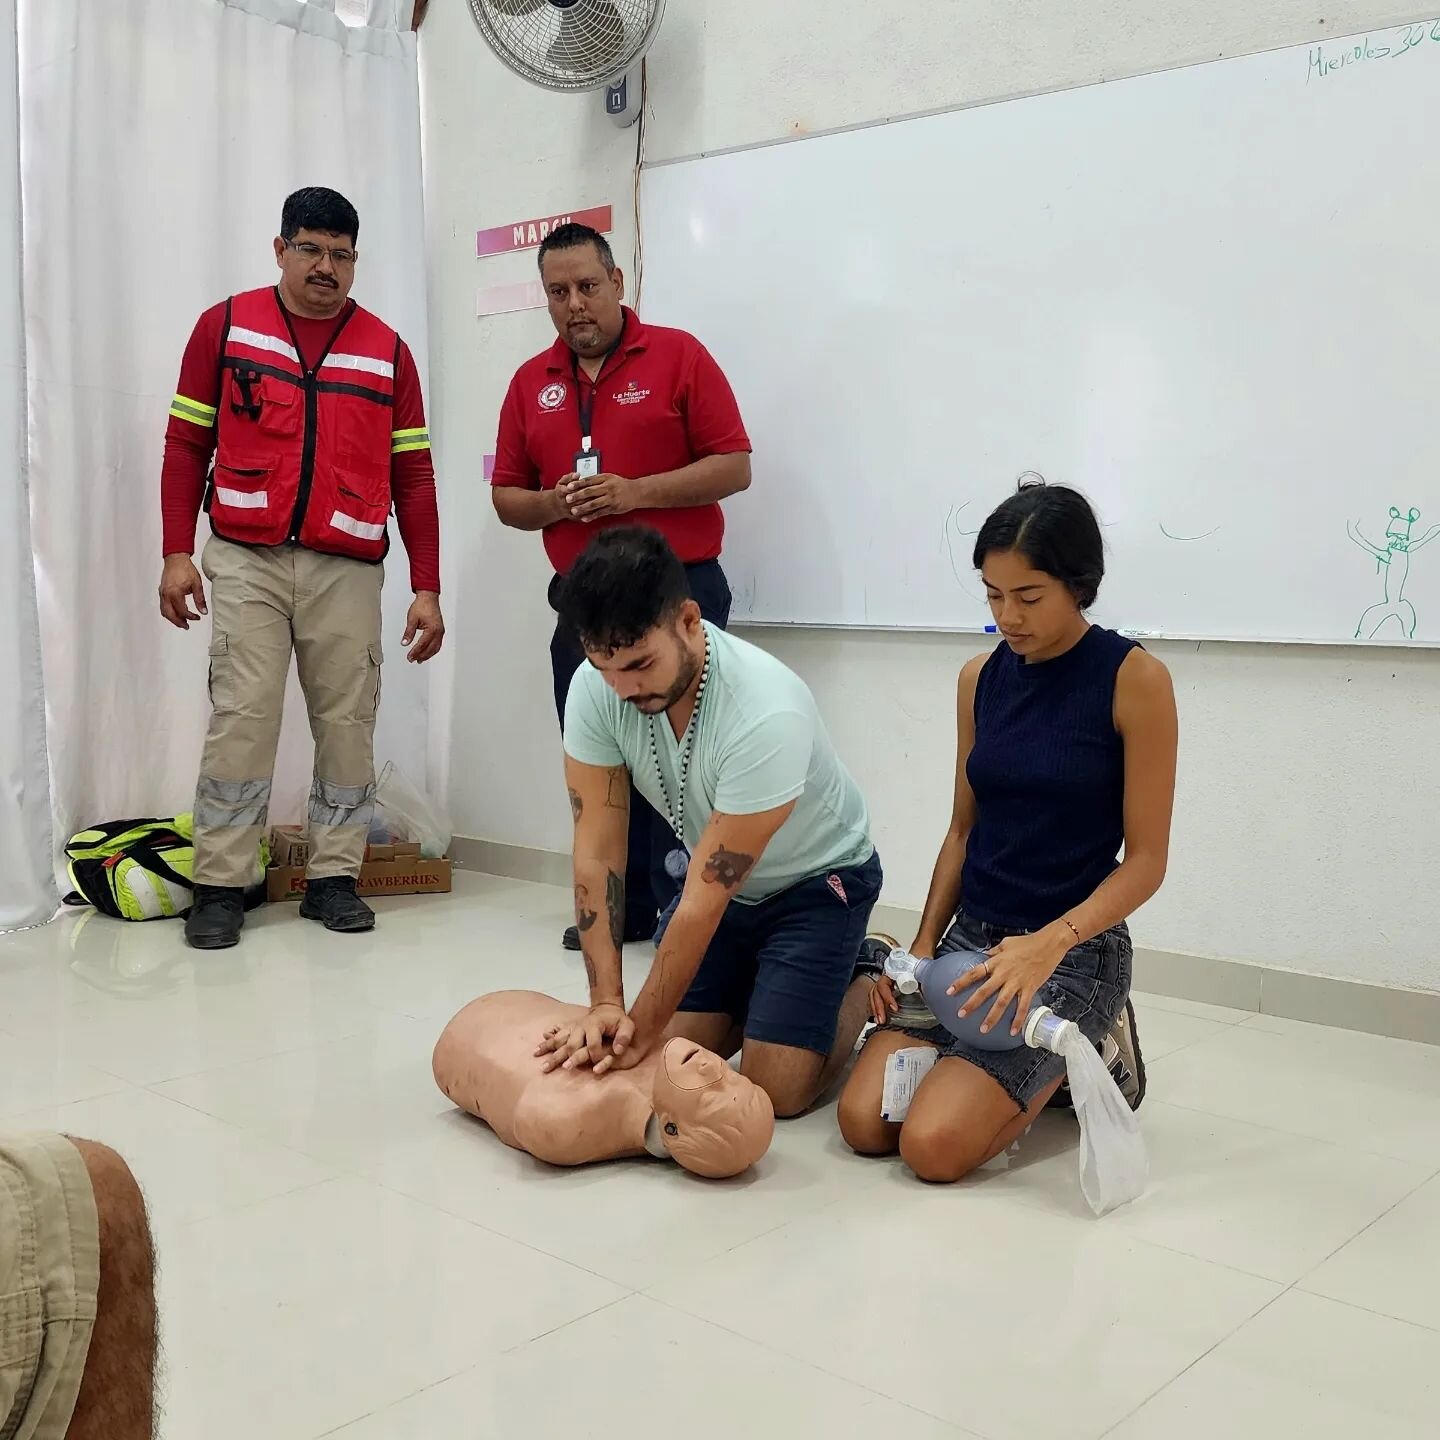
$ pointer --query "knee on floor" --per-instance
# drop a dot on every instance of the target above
(788, 1097)
(861, 1127)
(938, 1153)
(788, 1101)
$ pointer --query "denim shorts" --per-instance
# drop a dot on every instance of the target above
(1090, 987)
(781, 968)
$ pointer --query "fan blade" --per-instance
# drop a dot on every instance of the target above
(592, 38)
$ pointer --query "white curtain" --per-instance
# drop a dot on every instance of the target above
(158, 140)
(27, 892)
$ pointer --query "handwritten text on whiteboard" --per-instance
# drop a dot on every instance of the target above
(1386, 45)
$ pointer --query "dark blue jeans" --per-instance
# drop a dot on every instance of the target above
(648, 889)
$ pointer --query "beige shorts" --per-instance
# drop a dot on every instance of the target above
(49, 1276)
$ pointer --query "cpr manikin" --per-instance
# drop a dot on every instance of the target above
(680, 1101)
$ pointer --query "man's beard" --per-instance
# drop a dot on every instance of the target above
(656, 704)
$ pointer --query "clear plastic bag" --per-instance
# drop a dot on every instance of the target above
(1114, 1167)
(404, 812)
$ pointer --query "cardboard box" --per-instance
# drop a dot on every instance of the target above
(289, 845)
(407, 875)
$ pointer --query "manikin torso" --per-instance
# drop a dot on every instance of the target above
(486, 1063)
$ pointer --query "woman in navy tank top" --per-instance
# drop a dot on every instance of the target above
(1067, 741)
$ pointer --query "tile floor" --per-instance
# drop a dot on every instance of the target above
(345, 1255)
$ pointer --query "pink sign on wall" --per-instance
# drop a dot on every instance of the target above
(527, 234)
(502, 299)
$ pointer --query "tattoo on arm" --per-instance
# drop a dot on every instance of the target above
(727, 867)
(617, 790)
(577, 805)
(590, 972)
(615, 904)
(585, 917)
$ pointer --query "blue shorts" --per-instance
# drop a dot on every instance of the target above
(781, 968)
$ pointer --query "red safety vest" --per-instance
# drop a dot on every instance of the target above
(303, 455)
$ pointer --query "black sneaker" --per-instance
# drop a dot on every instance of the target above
(334, 903)
(634, 933)
(215, 918)
(874, 952)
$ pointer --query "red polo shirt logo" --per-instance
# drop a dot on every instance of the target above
(632, 394)
(660, 403)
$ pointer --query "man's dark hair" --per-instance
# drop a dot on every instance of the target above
(316, 208)
(626, 583)
(1055, 529)
(572, 237)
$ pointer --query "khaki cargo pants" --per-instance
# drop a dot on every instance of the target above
(264, 605)
(49, 1283)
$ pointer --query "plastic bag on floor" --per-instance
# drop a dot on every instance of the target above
(405, 812)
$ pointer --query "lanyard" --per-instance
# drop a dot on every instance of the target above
(675, 814)
(585, 401)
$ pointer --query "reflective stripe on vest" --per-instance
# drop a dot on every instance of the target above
(359, 362)
(351, 526)
(243, 499)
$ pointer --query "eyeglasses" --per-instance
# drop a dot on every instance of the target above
(313, 254)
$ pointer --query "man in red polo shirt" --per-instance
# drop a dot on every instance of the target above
(619, 419)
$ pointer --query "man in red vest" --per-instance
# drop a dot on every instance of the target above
(310, 408)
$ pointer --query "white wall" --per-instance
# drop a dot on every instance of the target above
(1306, 833)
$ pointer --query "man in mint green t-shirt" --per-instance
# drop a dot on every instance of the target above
(728, 746)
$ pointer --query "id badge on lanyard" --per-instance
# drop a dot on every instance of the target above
(587, 457)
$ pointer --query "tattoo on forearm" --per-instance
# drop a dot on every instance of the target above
(585, 917)
(615, 904)
(617, 789)
(590, 972)
(577, 805)
(727, 867)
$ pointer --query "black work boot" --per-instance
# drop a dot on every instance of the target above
(216, 917)
(334, 903)
(635, 931)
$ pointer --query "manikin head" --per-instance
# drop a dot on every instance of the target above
(628, 598)
(1042, 558)
(583, 288)
(315, 251)
(713, 1121)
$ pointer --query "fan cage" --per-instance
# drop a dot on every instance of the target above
(575, 46)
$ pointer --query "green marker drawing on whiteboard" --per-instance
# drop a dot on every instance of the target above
(1394, 561)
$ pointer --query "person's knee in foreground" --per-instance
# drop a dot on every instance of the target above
(311, 410)
(77, 1294)
(1067, 745)
(726, 743)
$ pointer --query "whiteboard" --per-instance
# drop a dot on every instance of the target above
(1208, 297)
